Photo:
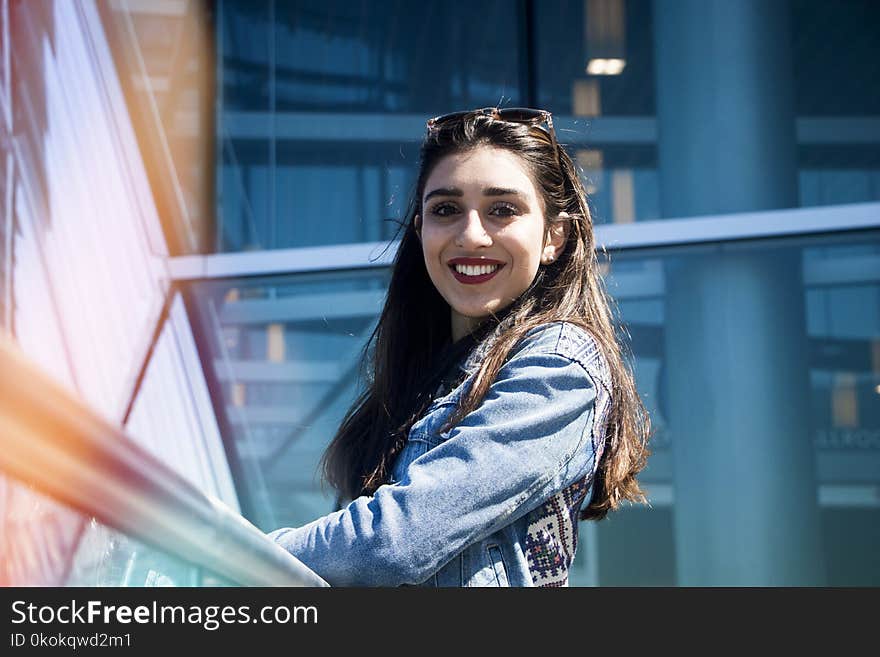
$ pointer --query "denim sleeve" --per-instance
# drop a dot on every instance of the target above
(529, 438)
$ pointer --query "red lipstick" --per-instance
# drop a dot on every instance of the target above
(474, 280)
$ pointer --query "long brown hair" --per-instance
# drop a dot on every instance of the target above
(413, 338)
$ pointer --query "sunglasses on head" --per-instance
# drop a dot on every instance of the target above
(525, 115)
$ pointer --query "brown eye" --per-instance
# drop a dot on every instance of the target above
(504, 210)
(444, 209)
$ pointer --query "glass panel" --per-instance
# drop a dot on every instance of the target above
(619, 162)
(285, 353)
(836, 174)
(760, 366)
(621, 181)
(172, 416)
(635, 547)
(323, 105)
(47, 544)
(835, 57)
(163, 53)
(595, 57)
(759, 363)
(835, 60)
(608, 116)
(244, 39)
(89, 277)
(386, 56)
(84, 265)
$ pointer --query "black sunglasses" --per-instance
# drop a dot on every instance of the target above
(525, 115)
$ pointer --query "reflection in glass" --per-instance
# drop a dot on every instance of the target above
(163, 54)
(838, 283)
(286, 354)
(570, 35)
(322, 106)
(44, 543)
(172, 416)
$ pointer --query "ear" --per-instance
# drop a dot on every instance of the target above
(556, 237)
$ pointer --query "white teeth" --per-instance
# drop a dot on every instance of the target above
(475, 270)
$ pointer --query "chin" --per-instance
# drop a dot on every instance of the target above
(480, 314)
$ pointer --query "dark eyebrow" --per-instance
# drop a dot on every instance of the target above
(489, 191)
(444, 191)
(501, 191)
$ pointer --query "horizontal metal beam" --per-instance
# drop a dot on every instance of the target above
(586, 131)
(304, 307)
(52, 441)
(275, 261)
(740, 226)
(289, 371)
(830, 219)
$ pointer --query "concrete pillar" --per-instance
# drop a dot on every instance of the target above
(744, 466)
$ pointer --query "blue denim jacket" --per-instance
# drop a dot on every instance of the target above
(494, 500)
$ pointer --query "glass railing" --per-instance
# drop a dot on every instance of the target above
(53, 442)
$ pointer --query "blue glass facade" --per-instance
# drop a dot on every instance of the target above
(321, 107)
(214, 292)
(311, 103)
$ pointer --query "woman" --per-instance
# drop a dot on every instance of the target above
(497, 400)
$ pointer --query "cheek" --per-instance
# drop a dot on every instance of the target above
(431, 253)
(433, 242)
(527, 247)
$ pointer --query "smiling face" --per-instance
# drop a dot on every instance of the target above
(481, 210)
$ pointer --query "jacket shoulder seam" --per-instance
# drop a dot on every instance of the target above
(580, 345)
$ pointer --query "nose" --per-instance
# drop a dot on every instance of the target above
(473, 233)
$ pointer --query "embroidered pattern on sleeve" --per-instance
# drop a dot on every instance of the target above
(551, 540)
